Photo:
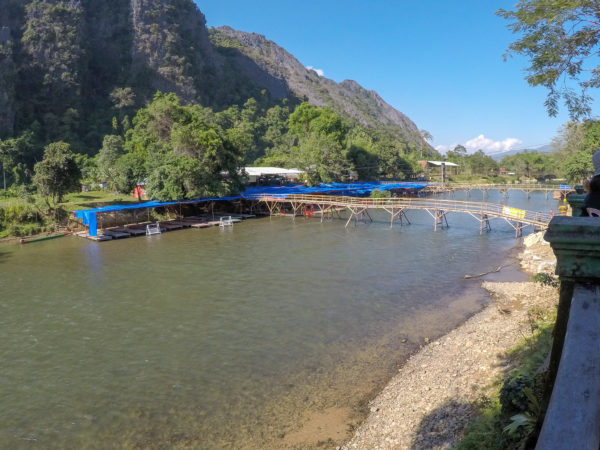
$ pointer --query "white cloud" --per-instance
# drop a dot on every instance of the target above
(491, 146)
(444, 148)
(319, 71)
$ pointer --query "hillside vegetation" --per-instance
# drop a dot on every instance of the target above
(128, 91)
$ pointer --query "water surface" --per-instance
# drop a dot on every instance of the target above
(226, 338)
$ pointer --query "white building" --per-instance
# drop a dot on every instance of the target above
(255, 173)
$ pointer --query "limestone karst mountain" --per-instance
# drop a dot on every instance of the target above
(68, 67)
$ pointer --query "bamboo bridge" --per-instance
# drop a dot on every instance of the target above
(358, 207)
(503, 188)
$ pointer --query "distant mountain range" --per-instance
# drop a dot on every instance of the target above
(272, 67)
(499, 155)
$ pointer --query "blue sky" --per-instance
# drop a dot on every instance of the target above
(440, 62)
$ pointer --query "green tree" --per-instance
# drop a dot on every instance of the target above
(457, 156)
(392, 164)
(561, 39)
(122, 97)
(17, 156)
(319, 150)
(186, 153)
(112, 149)
(481, 164)
(322, 158)
(58, 173)
(460, 150)
(129, 172)
(574, 146)
(87, 167)
(578, 166)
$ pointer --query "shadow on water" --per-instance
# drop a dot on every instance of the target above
(440, 428)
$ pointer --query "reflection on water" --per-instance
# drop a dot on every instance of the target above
(225, 338)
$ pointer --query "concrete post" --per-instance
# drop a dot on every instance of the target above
(576, 203)
(573, 413)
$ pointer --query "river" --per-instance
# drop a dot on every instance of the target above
(229, 338)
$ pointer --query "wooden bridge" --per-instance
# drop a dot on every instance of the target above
(438, 209)
(503, 188)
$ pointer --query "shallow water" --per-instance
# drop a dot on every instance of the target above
(227, 338)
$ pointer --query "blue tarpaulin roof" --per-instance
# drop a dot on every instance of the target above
(89, 215)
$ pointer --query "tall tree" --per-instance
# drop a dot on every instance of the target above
(112, 149)
(319, 148)
(58, 173)
(561, 39)
(185, 152)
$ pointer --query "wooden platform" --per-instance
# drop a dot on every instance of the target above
(139, 229)
(134, 231)
(115, 233)
(170, 225)
(100, 237)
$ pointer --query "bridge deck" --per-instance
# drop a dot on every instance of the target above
(437, 208)
(513, 186)
(505, 188)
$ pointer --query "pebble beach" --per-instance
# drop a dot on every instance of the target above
(429, 402)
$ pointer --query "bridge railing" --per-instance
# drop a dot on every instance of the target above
(479, 208)
(529, 186)
(572, 419)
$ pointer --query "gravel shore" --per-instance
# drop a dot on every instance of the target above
(429, 402)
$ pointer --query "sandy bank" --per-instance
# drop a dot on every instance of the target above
(428, 403)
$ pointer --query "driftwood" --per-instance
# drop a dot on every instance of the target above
(484, 273)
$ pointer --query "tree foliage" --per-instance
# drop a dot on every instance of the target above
(531, 164)
(183, 150)
(112, 149)
(560, 38)
(574, 147)
(58, 173)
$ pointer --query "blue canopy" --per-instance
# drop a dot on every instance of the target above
(88, 216)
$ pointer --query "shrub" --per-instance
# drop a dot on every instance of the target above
(512, 395)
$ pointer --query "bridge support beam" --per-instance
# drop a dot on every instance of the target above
(397, 215)
(518, 227)
(358, 213)
(439, 218)
(484, 224)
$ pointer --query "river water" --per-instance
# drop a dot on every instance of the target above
(228, 338)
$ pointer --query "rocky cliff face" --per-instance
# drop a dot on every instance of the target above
(273, 68)
(61, 59)
(170, 40)
(7, 113)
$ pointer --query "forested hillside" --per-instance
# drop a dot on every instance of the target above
(67, 68)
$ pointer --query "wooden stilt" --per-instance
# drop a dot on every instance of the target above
(396, 215)
(484, 224)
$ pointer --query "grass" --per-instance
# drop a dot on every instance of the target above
(487, 430)
(73, 201)
(94, 199)
(25, 215)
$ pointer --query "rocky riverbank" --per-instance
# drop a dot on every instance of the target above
(430, 401)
